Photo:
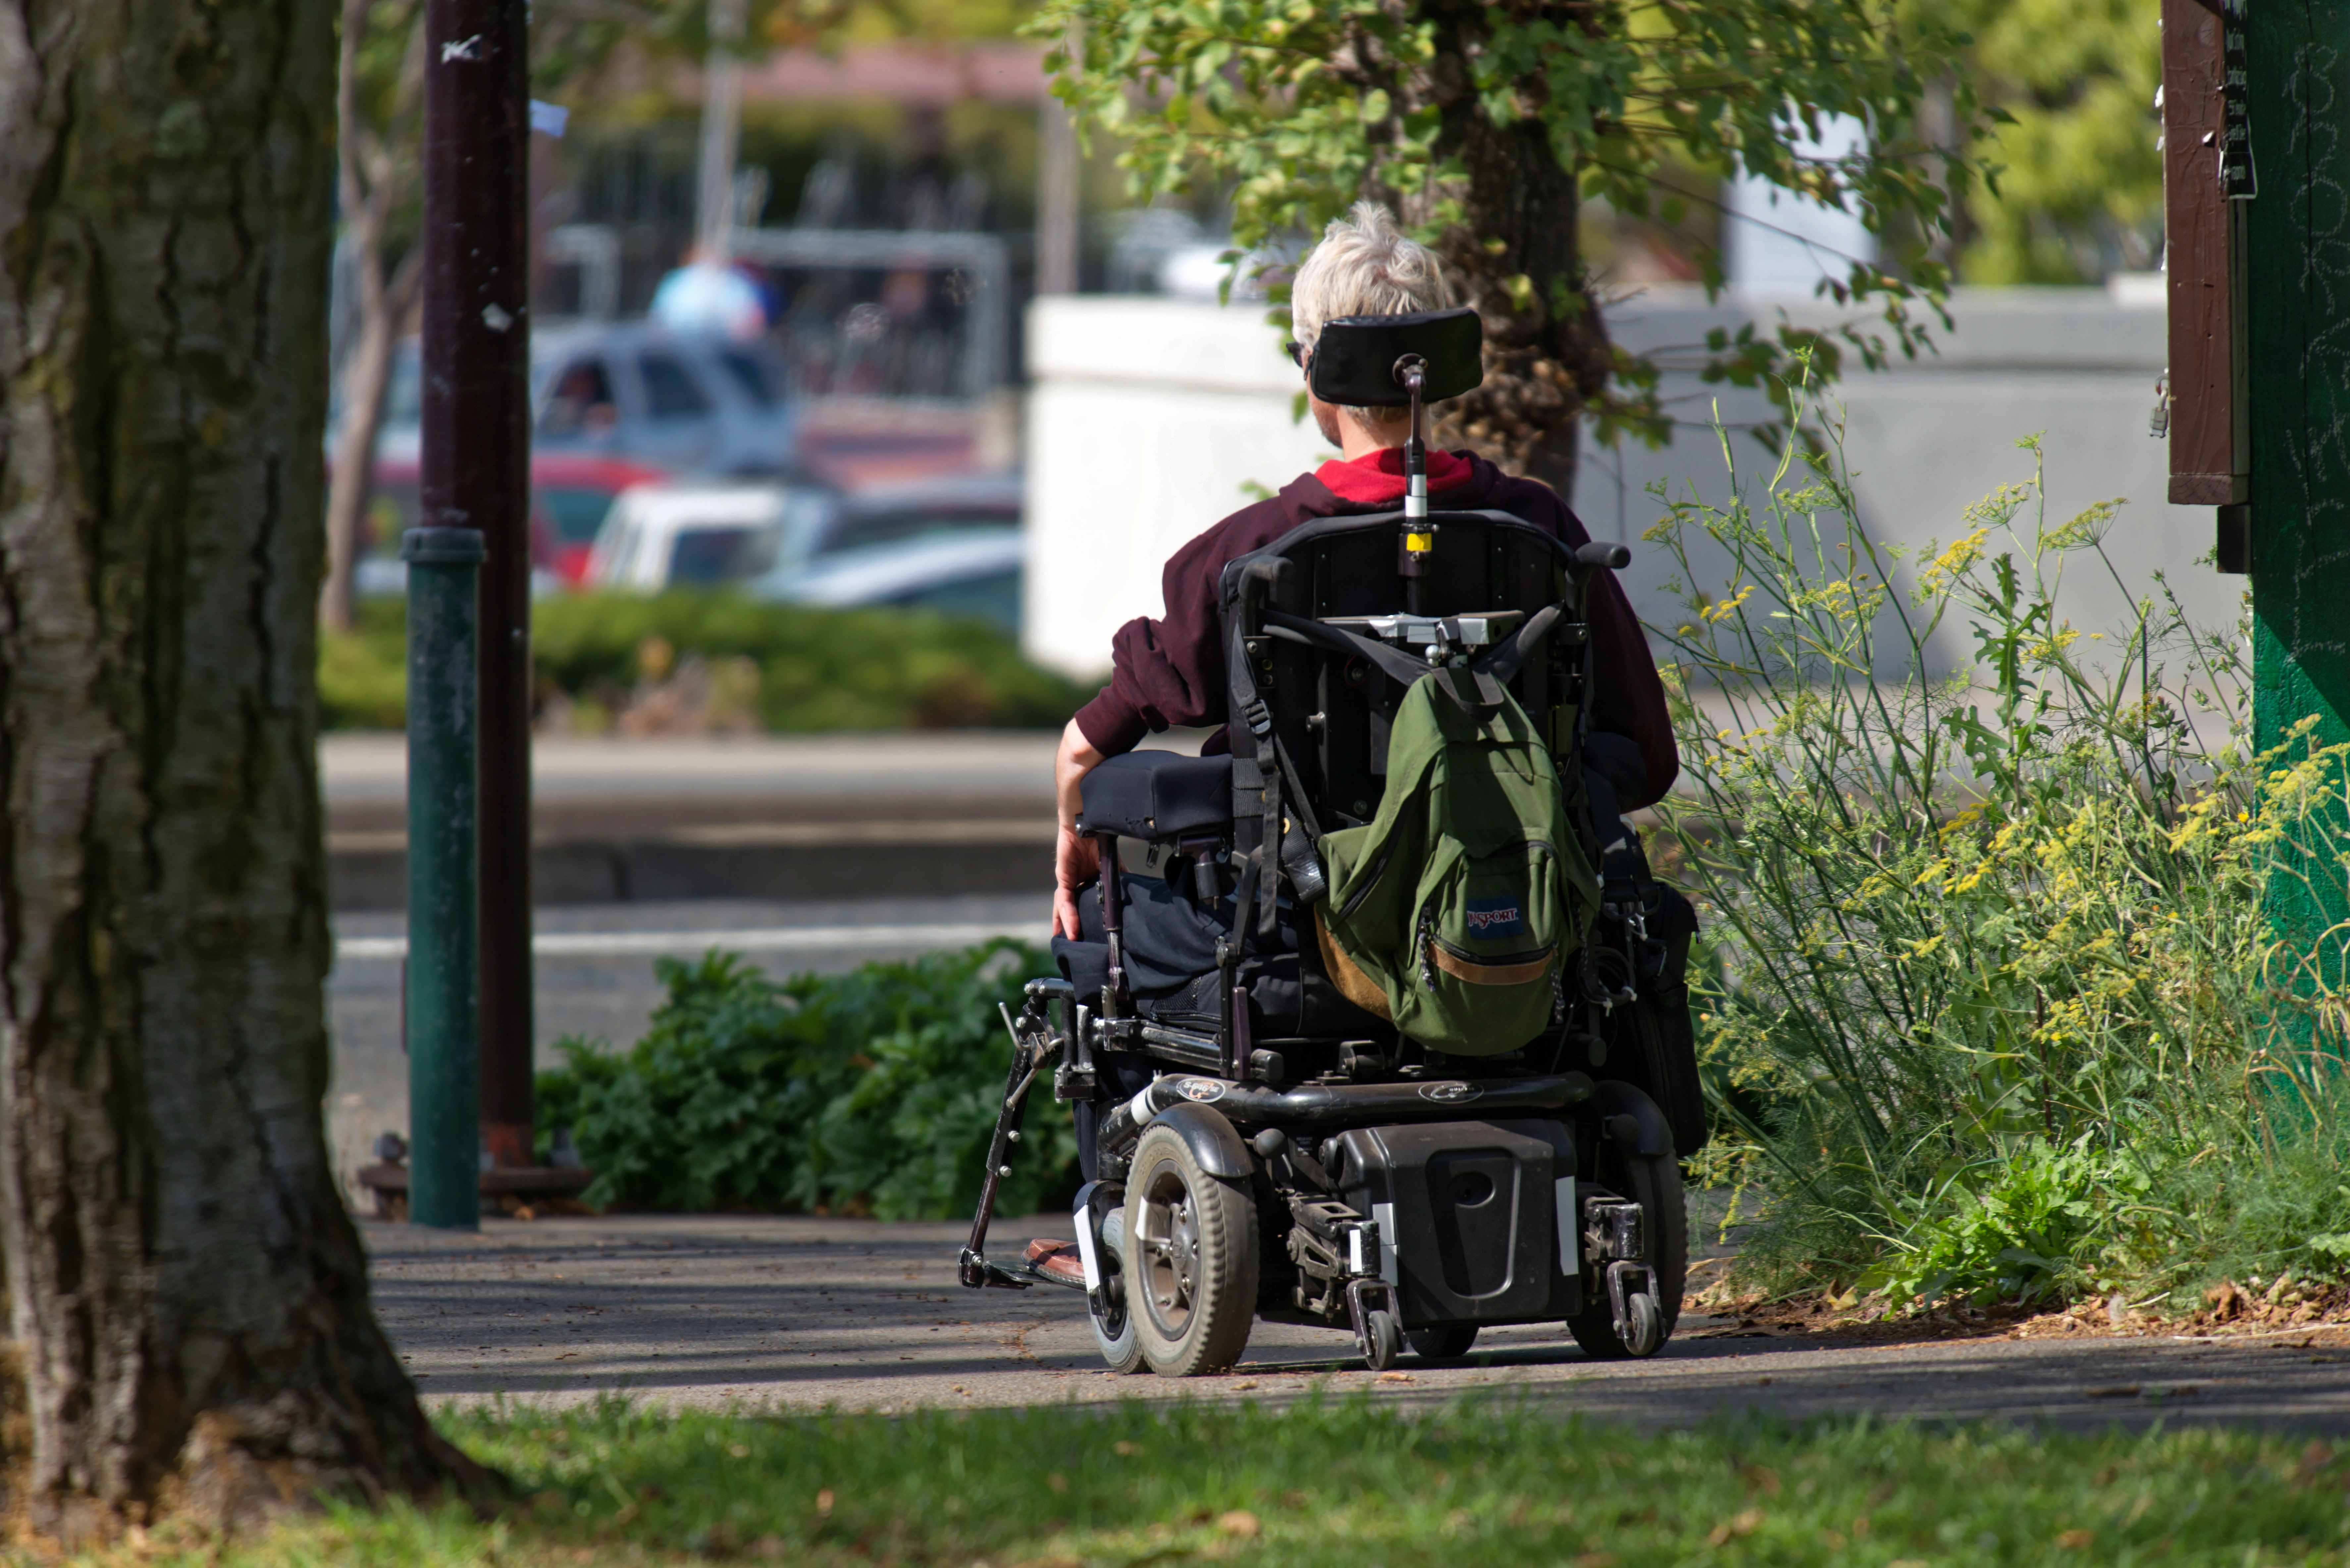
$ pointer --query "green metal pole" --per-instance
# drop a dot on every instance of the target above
(2297, 257)
(444, 981)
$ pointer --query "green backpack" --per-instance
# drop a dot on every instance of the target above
(1452, 911)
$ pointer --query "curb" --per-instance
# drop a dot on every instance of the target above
(368, 872)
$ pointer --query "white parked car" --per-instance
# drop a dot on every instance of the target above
(704, 535)
(950, 544)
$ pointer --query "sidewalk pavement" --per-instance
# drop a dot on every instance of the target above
(799, 1313)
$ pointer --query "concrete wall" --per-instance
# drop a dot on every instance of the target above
(1149, 419)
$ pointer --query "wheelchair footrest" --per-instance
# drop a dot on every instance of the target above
(977, 1271)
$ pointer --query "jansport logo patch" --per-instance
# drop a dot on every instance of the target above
(1503, 916)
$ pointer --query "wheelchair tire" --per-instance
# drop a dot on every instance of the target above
(1113, 1336)
(1448, 1343)
(1654, 1183)
(1189, 1260)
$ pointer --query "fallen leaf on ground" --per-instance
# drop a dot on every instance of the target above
(2076, 1540)
(1241, 1522)
(1397, 1377)
(1729, 1529)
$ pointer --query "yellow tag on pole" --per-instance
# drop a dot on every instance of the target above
(1420, 543)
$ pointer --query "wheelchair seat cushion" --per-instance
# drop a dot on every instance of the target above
(1157, 795)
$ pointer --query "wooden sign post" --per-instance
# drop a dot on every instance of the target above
(2207, 183)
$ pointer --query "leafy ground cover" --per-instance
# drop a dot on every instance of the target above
(1993, 1010)
(702, 662)
(1346, 1484)
(869, 1093)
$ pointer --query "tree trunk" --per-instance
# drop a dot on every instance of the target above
(1516, 254)
(350, 483)
(189, 1294)
(366, 377)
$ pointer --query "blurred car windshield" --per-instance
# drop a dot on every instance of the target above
(749, 375)
(670, 391)
(575, 511)
(861, 527)
(582, 401)
(705, 557)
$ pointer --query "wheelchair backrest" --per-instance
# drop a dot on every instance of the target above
(1485, 574)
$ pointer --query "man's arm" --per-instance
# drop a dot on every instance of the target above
(1075, 859)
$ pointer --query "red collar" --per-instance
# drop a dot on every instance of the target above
(1377, 477)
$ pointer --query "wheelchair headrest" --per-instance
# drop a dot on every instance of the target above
(1355, 358)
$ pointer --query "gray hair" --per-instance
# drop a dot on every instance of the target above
(1364, 265)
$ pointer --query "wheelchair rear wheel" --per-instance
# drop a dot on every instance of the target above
(1191, 1260)
(1654, 1183)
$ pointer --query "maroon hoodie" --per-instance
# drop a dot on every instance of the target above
(1170, 672)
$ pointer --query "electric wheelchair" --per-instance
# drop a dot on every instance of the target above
(1255, 1143)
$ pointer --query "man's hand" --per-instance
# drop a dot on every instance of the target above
(1076, 860)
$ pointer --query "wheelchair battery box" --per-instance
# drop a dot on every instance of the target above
(1477, 1221)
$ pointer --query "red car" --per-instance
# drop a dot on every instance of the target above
(569, 495)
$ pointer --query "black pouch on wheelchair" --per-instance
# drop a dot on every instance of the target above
(1640, 944)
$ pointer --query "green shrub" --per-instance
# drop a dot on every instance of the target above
(363, 673)
(1990, 998)
(816, 669)
(869, 1092)
(819, 670)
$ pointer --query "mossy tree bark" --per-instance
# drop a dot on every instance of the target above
(188, 1293)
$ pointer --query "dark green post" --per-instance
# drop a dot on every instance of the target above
(445, 981)
(2297, 300)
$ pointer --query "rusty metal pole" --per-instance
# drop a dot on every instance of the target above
(476, 474)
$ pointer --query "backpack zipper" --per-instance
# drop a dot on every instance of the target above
(1378, 869)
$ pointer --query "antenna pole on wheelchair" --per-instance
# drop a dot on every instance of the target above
(1419, 538)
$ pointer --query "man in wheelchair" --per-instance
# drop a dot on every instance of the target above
(1371, 1014)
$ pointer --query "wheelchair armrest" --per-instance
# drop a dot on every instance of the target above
(1157, 795)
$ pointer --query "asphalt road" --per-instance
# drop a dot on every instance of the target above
(801, 1314)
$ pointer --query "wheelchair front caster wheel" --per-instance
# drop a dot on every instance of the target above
(1442, 1343)
(1646, 1333)
(1385, 1336)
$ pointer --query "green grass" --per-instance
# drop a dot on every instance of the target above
(1347, 1483)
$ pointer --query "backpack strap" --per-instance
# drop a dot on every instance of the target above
(1473, 687)
(1288, 831)
(1506, 658)
(1400, 667)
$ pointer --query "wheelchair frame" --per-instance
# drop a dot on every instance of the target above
(1339, 1150)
